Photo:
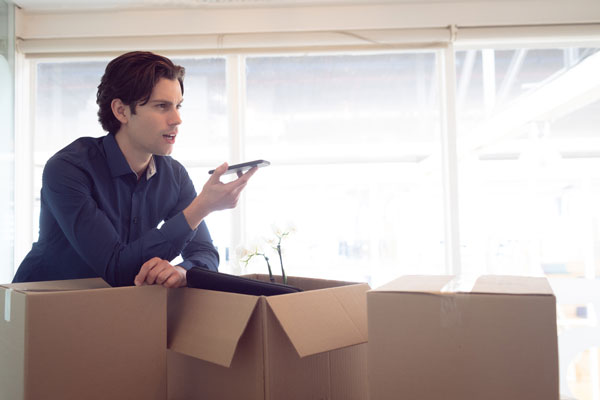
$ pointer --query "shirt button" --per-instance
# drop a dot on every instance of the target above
(135, 220)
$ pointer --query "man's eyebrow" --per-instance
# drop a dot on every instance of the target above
(164, 101)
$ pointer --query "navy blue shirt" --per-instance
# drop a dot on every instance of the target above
(98, 220)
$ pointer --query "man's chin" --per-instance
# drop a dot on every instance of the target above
(163, 152)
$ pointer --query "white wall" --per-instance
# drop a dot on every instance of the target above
(224, 27)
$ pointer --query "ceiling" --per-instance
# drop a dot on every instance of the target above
(87, 5)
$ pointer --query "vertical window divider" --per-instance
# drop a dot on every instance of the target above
(25, 74)
(447, 77)
(236, 110)
(7, 267)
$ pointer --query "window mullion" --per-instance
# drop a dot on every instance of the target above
(447, 79)
(25, 73)
(236, 103)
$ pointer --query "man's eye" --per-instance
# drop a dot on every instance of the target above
(178, 106)
(162, 106)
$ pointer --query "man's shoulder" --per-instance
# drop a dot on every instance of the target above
(81, 150)
(82, 158)
(169, 163)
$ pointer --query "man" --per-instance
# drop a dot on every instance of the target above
(103, 199)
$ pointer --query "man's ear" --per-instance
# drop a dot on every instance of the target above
(120, 110)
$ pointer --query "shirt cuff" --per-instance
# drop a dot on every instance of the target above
(188, 264)
(177, 231)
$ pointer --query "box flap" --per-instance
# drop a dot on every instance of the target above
(207, 324)
(416, 283)
(57, 286)
(322, 320)
(499, 284)
(493, 284)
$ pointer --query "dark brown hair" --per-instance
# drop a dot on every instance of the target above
(131, 78)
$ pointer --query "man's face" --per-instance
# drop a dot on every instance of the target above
(153, 127)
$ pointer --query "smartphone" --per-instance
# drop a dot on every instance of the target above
(243, 167)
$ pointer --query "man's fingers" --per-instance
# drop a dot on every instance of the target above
(173, 281)
(249, 173)
(238, 191)
(217, 195)
(219, 171)
(242, 180)
(140, 278)
(155, 272)
(160, 272)
(164, 275)
(172, 276)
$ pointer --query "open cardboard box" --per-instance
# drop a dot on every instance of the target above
(307, 345)
(432, 337)
(81, 339)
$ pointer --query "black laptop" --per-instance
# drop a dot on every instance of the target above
(202, 278)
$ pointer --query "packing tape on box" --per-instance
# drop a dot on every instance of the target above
(451, 314)
(7, 296)
(463, 283)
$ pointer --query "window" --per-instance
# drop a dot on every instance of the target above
(530, 184)
(374, 125)
(65, 109)
(347, 135)
(203, 141)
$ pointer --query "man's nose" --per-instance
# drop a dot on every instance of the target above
(175, 118)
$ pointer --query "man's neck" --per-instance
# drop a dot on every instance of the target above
(138, 160)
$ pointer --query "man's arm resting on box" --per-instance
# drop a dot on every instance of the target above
(198, 252)
(67, 191)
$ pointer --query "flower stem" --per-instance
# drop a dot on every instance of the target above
(269, 267)
(281, 262)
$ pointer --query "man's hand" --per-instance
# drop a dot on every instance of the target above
(216, 195)
(161, 272)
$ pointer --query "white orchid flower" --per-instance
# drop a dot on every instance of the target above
(241, 252)
(281, 230)
(256, 247)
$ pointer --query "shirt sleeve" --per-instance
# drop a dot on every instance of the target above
(67, 190)
(199, 251)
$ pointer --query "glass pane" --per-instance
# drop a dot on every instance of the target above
(203, 136)
(351, 139)
(65, 110)
(203, 140)
(65, 105)
(358, 108)
(7, 230)
(530, 180)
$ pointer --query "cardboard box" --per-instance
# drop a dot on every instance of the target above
(432, 339)
(307, 345)
(81, 339)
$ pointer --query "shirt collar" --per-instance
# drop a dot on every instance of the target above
(116, 159)
(151, 170)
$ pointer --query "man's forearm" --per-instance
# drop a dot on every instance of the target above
(195, 213)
